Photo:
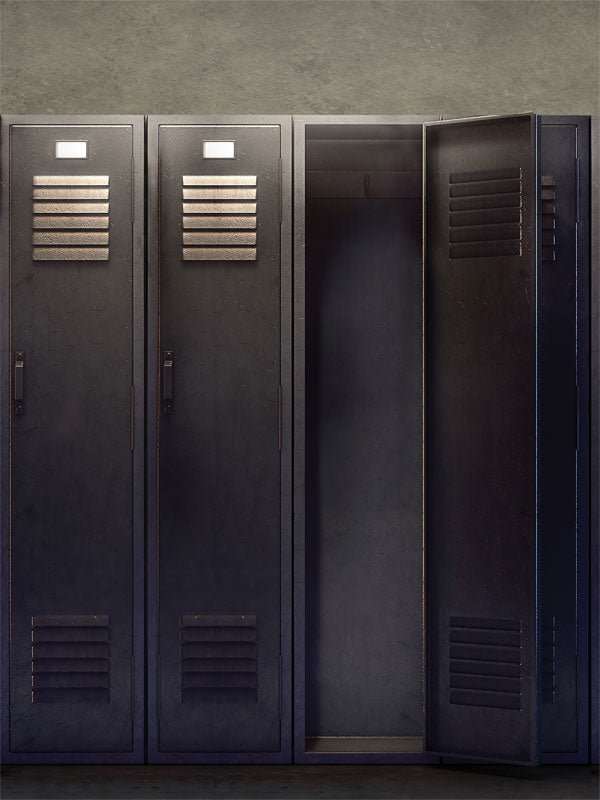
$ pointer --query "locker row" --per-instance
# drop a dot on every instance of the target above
(296, 422)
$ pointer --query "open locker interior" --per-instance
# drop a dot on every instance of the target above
(364, 581)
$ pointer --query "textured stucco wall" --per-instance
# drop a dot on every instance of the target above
(302, 56)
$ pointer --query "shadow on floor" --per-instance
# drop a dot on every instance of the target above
(306, 781)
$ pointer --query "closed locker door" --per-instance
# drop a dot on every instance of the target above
(73, 484)
(215, 524)
(481, 438)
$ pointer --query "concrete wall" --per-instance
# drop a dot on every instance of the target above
(302, 56)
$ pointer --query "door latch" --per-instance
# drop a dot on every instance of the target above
(19, 404)
(167, 405)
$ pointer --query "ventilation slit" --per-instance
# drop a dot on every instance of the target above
(548, 218)
(485, 213)
(549, 661)
(485, 662)
(218, 657)
(219, 218)
(70, 659)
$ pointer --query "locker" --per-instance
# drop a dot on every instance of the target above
(441, 460)
(72, 439)
(219, 582)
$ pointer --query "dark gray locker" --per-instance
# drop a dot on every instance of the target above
(506, 438)
(503, 414)
(72, 427)
(218, 365)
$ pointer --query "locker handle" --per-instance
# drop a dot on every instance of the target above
(167, 405)
(19, 366)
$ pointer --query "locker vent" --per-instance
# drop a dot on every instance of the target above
(70, 659)
(548, 218)
(70, 217)
(218, 658)
(549, 660)
(485, 662)
(219, 217)
(485, 213)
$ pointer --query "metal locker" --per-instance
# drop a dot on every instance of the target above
(219, 439)
(72, 439)
(506, 463)
(500, 403)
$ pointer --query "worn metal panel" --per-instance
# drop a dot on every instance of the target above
(218, 532)
(481, 440)
(72, 533)
(564, 435)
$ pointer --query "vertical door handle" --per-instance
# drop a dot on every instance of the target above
(19, 399)
(167, 405)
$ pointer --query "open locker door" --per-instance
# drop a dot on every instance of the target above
(481, 533)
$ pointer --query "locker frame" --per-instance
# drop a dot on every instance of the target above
(594, 547)
(136, 755)
(284, 755)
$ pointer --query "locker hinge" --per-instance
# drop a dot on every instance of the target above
(132, 682)
(578, 190)
(132, 188)
(131, 417)
(279, 417)
(158, 685)
(576, 416)
(280, 687)
(279, 182)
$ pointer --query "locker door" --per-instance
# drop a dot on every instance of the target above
(481, 444)
(72, 492)
(216, 530)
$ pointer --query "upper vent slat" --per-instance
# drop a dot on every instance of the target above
(486, 175)
(70, 180)
(485, 187)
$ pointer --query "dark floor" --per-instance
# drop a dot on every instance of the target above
(362, 782)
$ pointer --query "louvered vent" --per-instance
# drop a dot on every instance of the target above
(549, 660)
(548, 218)
(70, 660)
(218, 658)
(70, 217)
(219, 217)
(485, 662)
(485, 213)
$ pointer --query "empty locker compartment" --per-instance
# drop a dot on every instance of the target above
(72, 439)
(359, 596)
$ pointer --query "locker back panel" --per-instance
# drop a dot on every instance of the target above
(71, 602)
(563, 277)
(363, 545)
(218, 535)
(480, 438)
